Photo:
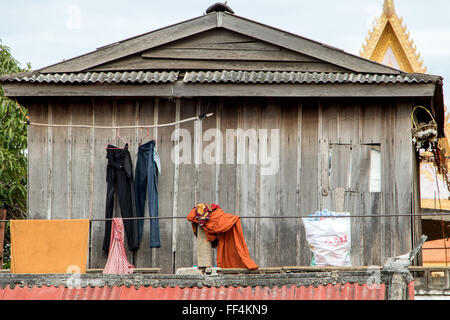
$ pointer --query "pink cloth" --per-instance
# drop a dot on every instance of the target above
(117, 259)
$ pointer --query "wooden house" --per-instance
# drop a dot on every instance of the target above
(343, 142)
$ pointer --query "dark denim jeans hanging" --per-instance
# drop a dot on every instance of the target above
(146, 181)
(119, 177)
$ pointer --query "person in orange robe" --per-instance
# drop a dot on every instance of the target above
(232, 251)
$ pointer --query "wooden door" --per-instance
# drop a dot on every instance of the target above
(353, 184)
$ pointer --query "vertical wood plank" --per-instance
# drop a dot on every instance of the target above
(206, 174)
(309, 202)
(302, 247)
(59, 161)
(270, 188)
(69, 163)
(370, 122)
(185, 240)
(371, 230)
(360, 168)
(163, 257)
(330, 121)
(388, 160)
(38, 163)
(227, 176)
(80, 156)
(328, 136)
(403, 176)
(50, 161)
(248, 172)
(91, 120)
(288, 228)
(220, 148)
(417, 220)
(349, 122)
(352, 204)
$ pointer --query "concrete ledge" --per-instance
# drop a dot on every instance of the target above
(295, 269)
(218, 280)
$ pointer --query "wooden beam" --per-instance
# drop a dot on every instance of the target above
(181, 89)
(220, 54)
(138, 63)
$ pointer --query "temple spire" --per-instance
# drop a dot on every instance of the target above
(389, 42)
(389, 8)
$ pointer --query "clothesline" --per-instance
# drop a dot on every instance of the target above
(200, 117)
(285, 217)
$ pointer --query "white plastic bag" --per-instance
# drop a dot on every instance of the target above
(329, 238)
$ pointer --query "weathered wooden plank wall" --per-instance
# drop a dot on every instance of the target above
(325, 149)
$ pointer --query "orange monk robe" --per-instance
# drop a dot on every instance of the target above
(232, 251)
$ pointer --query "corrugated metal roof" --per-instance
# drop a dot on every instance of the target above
(347, 291)
(224, 76)
(263, 77)
(94, 77)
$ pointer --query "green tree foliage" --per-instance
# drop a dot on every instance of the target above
(13, 150)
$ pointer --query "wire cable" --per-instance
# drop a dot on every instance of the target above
(277, 217)
(199, 117)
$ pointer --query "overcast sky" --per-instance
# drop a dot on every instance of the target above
(44, 32)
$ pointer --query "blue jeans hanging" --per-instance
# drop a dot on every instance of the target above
(146, 181)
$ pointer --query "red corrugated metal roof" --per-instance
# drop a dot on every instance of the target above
(329, 292)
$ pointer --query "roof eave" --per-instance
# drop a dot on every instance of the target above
(181, 89)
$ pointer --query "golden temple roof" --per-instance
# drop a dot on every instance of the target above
(389, 42)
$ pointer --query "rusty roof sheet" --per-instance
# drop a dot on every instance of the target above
(348, 291)
(94, 77)
(268, 77)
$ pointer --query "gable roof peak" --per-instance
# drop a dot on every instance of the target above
(223, 20)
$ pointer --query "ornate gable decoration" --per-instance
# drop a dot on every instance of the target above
(389, 43)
